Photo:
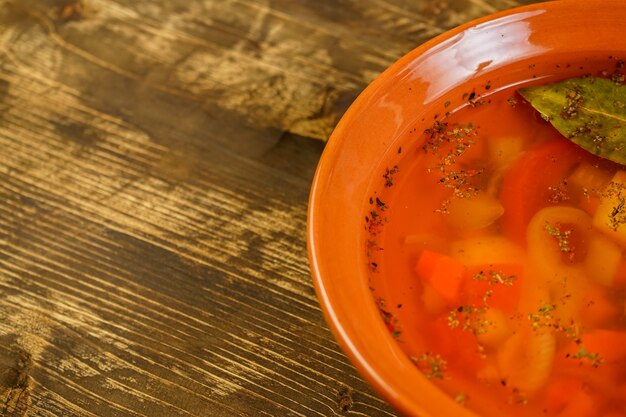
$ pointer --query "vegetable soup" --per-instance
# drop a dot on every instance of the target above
(496, 251)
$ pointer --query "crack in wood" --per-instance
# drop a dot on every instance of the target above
(345, 401)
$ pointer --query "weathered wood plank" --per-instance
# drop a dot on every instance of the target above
(291, 65)
(154, 177)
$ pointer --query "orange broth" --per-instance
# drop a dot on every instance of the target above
(493, 273)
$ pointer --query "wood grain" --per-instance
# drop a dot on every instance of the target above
(154, 177)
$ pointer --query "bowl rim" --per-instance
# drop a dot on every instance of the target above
(332, 315)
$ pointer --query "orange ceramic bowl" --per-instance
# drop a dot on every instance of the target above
(506, 48)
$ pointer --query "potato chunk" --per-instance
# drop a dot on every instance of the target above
(475, 212)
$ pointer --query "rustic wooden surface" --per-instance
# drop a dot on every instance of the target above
(154, 174)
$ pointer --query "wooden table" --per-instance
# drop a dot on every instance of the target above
(155, 165)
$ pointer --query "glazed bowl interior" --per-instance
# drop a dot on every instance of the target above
(534, 44)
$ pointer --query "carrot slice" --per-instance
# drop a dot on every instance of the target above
(459, 347)
(620, 276)
(580, 405)
(614, 414)
(443, 273)
(609, 345)
(531, 181)
(560, 392)
(590, 204)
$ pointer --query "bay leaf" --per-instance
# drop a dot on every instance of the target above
(590, 112)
